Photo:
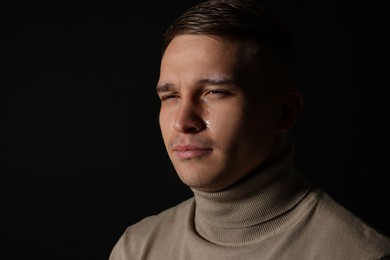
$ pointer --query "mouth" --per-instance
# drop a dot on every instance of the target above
(190, 151)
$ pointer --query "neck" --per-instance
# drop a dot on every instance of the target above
(252, 205)
(279, 148)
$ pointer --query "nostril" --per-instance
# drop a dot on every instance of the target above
(188, 117)
(192, 130)
(189, 125)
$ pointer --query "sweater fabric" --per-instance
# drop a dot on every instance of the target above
(273, 214)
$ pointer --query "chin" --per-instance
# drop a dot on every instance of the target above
(204, 182)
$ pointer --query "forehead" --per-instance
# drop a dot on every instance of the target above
(191, 59)
(202, 55)
(205, 41)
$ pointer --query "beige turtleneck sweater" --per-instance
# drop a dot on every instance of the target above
(274, 214)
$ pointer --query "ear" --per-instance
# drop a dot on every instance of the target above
(290, 109)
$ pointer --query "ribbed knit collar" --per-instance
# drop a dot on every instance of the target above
(255, 207)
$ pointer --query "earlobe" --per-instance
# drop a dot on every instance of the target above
(290, 109)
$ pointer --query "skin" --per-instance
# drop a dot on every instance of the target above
(217, 120)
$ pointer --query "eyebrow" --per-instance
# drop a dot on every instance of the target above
(217, 81)
(165, 87)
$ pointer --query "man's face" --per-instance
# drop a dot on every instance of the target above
(216, 120)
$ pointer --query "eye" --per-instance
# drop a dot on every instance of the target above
(217, 92)
(168, 97)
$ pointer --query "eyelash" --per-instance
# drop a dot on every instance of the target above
(217, 92)
(166, 97)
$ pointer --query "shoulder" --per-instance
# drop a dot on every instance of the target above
(167, 219)
(337, 216)
(165, 226)
(340, 228)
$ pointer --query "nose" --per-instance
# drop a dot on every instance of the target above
(188, 118)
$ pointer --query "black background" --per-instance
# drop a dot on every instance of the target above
(82, 156)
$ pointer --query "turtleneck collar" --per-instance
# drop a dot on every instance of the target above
(254, 207)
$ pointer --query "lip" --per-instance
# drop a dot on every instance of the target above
(190, 151)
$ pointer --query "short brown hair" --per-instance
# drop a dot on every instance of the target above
(246, 21)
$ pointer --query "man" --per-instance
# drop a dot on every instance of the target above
(228, 100)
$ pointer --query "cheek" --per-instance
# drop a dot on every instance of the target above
(225, 122)
(165, 124)
(236, 128)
